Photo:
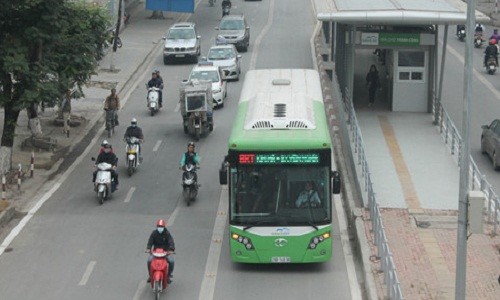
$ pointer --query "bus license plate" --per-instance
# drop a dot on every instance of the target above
(280, 259)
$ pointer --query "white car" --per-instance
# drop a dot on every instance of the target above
(227, 58)
(206, 71)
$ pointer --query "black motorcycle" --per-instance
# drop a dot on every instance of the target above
(189, 183)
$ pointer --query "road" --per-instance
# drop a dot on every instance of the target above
(72, 248)
(485, 100)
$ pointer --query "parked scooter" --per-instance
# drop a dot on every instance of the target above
(132, 149)
(103, 185)
(478, 40)
(159, 271)
(153, 99)
(491, 65)
(189, 183)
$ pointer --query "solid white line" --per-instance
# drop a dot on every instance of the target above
(208, 284)
(87, 273)
(129, 194)
(266, 28)
(141, 286)
(155, 148)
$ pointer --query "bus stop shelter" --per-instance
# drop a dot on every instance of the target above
(405, 32)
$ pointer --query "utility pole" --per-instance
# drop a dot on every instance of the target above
(463, 201)
(116, 33)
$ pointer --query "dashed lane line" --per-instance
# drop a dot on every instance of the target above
(129, 195)
(88, 272)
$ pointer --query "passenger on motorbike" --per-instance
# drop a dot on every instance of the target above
(190, 157)
(135, 131)
(161, 238)
(112, 102)
(109, 157)
(157, 82)
(491, 51)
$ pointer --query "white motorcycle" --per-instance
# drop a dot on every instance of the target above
(491, 65)
(132, 150)
(103, 182)
(153, 100)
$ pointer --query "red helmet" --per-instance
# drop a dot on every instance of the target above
(160, 223)
(493, 42)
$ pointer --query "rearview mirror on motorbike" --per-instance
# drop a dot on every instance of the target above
(223, 173)
(336, 185)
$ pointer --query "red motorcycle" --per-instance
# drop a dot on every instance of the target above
(159, 271)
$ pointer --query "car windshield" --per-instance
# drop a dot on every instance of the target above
(181, 33)
(221, 54)
(212, 76)
(232, 25)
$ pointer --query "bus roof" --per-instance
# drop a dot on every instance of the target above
(280, 109)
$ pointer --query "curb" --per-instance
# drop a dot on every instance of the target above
(7, 215)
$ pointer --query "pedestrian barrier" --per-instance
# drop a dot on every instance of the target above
(453, 140)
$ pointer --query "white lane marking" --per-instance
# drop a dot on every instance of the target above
(155, 148)
(478, 75)
(129, 194)
(208, 284)
(266, 28)
(171, 218)
(177, 107)
(87, 273)
(141, 286)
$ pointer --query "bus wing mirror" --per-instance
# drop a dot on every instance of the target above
(223, 174)
(336, 184)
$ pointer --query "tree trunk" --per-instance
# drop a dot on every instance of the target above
(9, 127)
(34, 121)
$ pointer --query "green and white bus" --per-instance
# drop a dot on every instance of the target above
(280, 142)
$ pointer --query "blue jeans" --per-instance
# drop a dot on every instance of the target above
(171, 262)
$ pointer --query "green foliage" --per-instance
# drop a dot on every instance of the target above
(48, 46)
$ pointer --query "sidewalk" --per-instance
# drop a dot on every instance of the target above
(141, 41)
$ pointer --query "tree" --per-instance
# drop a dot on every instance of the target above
(46, 47)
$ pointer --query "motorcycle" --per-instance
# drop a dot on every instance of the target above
(478, 40)
(103, 185)
(159, 271)
(461, 34)
(132, 150)
(225, 10)
(189, 183)
(153, 99)
(491, 65)
(110, 121)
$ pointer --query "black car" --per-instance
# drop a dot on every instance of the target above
(490, 142)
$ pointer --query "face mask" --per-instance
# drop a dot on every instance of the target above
(160, 229)
(134, 125)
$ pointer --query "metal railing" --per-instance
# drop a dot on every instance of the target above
(384, 253)
(453, 140)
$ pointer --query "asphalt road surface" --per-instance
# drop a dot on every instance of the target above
(72, 248)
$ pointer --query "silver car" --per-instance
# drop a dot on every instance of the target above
(235, 31)
(490, 142)
(227, 58)
(181, 42)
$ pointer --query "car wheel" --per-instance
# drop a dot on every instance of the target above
(483, 150)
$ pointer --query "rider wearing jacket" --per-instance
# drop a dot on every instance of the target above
(109, 157)
(157, 82)
(161, 238)
(491, 51)
(190, 157)
(224, 4)
(135, 131)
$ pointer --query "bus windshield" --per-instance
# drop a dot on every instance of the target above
(280, 195)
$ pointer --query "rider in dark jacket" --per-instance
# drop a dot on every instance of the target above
(157, 82)
(161, 238)
(224, 4)
(135, 131)
(491, 51)
(107, 156)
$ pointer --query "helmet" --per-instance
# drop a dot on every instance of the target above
(493, 42)
(191, 144)
(134, 121)
(105, 144)
(160, 223)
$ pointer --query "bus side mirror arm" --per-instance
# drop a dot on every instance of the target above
(223, 172)
(336, 182)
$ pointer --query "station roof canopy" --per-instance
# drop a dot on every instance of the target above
(392, 12)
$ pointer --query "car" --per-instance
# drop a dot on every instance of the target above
(206, 71)
(227, 58)
(235, 30)
(182, 41)
(490, 142)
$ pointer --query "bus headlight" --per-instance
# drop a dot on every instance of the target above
(318, 239)
(242, 240)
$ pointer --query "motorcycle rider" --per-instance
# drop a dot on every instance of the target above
(224, 4)
(161, 238)
(491, 51)
(190, 157)
(460, 27)
(157, 82)
(495, 35)
(112, 102)
(479, 28)
(107, 156)
(135, 131)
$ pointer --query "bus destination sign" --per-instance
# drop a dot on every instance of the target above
(278, 158)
